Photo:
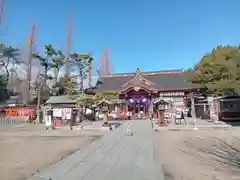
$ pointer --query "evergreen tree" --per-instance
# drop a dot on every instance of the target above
(218, 71)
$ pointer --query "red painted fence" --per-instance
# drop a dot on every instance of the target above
(19, 111)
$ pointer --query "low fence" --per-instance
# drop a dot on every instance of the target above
(7, 120)
(14, 115)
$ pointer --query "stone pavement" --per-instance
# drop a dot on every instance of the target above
(204, 122)
(200, 124)
(117, 156)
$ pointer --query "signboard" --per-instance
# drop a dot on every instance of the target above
(171, 94)
(66, 113)
(57, 112)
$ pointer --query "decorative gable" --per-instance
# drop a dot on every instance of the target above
(137, 82)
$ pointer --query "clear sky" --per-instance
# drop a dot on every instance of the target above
(149, 34)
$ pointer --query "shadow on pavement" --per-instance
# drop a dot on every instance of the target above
(168, 175)
(233, 123)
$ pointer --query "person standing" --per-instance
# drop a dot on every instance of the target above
(183, 117)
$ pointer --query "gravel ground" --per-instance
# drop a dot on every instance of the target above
(199, 155)
(24, 152)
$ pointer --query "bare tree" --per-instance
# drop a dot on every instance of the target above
(105, 67)
(22, 71)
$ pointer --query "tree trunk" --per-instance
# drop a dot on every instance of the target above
(38, 106)
(55, 90)
(39, 97)
(94, 114)
(7, 71)
(81, 80)
(81, 113)
(85, 111)
(7, 76)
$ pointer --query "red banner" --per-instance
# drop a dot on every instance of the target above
(20, 111)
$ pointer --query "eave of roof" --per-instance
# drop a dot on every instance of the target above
(167, 80)
(177, 71)
(59, 100)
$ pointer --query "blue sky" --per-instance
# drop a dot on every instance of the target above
(149, 34)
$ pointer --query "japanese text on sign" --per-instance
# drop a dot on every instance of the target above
(171, 94)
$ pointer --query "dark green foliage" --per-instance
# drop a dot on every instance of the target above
(57, 57)
(9, 51)
(4, 94)
(66, 85)
(8, 55)
(82, 63)
(218, 71)
(45, 94)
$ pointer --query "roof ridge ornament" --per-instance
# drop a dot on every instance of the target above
(138, 74)
(138, 70)
(138, 77)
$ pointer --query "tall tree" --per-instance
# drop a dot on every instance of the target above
(82, 63)
(47, 65)
(83, 66)
(105, 64)
(89, 66)
(57, 57)
(218, 71)
(45, 92)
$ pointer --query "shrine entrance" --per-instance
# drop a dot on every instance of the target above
(138, 106)
(138, 93)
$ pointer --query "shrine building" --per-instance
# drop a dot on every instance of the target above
(141, 91)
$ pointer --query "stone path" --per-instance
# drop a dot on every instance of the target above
(116, 156)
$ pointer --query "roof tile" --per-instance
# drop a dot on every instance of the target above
(172, 79)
